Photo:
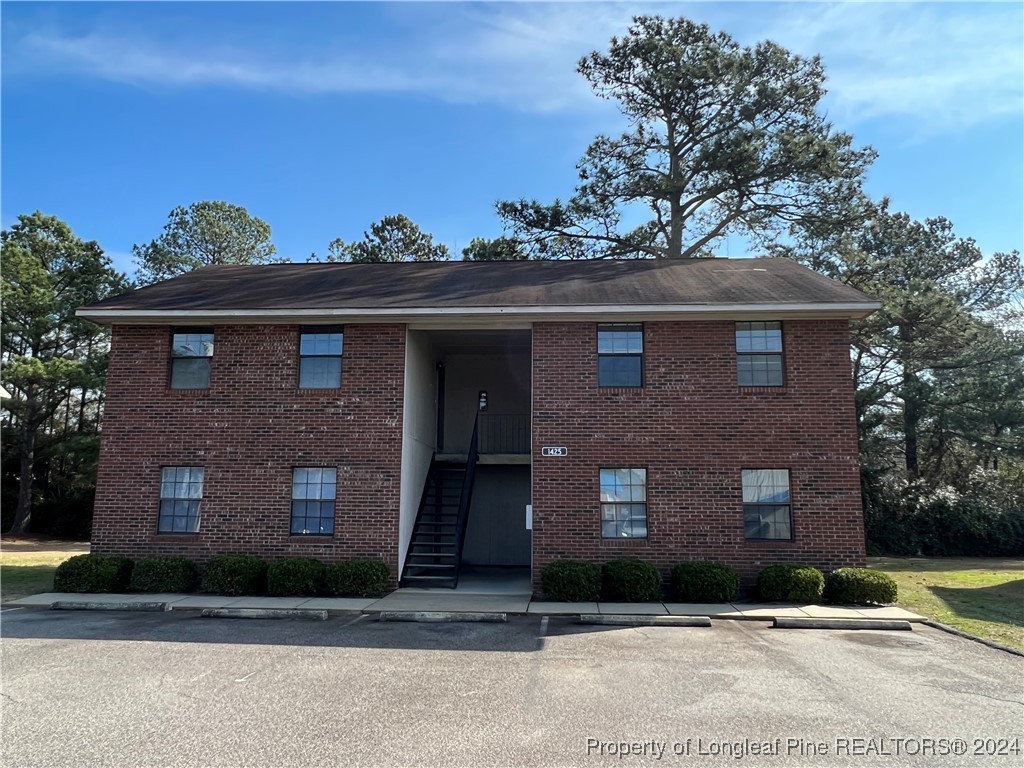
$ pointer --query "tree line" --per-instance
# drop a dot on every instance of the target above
(720, 140)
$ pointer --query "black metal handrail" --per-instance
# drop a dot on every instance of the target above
(419, 508)
(466, 498)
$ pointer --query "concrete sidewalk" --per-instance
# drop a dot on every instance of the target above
(197, 602)
(431, 600)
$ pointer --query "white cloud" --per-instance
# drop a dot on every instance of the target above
(941, 67)
(945, 67)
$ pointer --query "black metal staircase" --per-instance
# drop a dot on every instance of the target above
(434, 558)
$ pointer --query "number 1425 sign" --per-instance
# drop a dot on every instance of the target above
(549, 450)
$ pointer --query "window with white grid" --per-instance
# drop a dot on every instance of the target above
(624, 503)
(314, 490)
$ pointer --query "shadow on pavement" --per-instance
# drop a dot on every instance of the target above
(520, 634)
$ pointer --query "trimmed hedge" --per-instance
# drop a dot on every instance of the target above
(295, 576)
(859, 586)
(357, 578)
(93, 573)
(235, 575)
(705, 582)
(164, 573)
(790, 583)
(571, 581)
(629, 580)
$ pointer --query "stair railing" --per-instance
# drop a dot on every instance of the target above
(419, 511)
(466, 497)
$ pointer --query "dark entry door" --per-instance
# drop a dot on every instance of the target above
(496, 531)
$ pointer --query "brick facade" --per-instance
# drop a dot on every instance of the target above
(694, 430)
(690, 426)
(248, 430)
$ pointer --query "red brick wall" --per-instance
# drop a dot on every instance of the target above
(695, 430)
(248, 430)
(690, 426)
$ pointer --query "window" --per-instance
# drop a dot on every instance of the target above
(624, 503)
(620, 355)
(191, 351)
(320, 356)
(766, 504)
(181, 490)
(759, 354)
(313, 493)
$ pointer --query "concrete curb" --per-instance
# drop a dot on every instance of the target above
(264, 613)
(443, 616)
(613, 620)
(975, 638)
(73, 605)
(781, 622)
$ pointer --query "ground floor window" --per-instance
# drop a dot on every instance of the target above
(314, 490)
(181, 490)
(624, 503)
(766, 504)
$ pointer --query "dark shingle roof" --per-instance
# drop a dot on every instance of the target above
(468, 285)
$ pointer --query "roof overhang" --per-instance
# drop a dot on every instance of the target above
(448, 316)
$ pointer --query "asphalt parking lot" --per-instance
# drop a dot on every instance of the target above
(173, 689)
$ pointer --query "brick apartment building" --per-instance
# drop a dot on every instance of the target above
(489, 414)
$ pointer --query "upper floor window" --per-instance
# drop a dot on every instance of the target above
(314, 490)
(624, 503)
(759, 354)
(320, 348)
(766, 504)
(620, 355)
(191, 352)
(181, 490)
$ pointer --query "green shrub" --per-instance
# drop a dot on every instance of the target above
(357, 578)
(571, 581)
(790, 583)
(235, 575)
(295, 576)
(859, 586)
(93, 573)
(705, 582)
(981, 515)
(630, 581)
(164, 573)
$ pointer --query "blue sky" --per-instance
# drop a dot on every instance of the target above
(323, 117)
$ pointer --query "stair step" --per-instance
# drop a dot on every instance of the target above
(432, 566)
(427, 578)
(431, 554)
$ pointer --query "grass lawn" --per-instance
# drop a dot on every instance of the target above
(27, 566)
(979, 595)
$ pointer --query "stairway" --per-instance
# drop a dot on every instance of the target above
(435, 550)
